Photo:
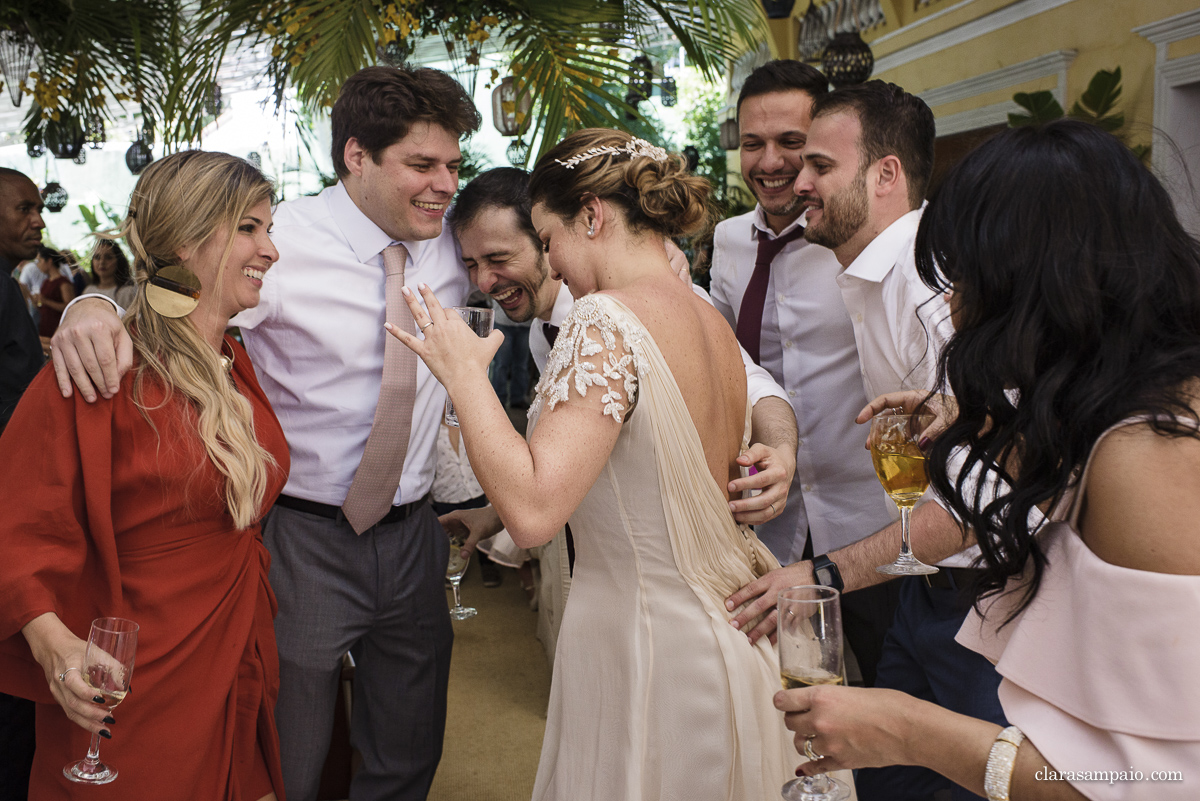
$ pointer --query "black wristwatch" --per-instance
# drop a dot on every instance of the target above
(827, 572)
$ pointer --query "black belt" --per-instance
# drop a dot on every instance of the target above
(398, 513)
(953, 578)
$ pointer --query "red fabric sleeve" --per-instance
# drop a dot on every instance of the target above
(57, 533)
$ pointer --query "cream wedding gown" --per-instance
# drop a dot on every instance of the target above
(654, 695)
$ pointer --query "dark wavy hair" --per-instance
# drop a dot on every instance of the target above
(378, 105)
(123, 274)
(1077, 305)
(503, 188)
(783, 75)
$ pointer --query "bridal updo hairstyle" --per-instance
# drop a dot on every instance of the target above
(656, 195)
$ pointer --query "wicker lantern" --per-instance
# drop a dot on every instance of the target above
(670, 95)
(64, 139)
(213, 103)
(778, 9)
(93, 132)
(16, 57)
(692, 155)
(510, 112)
(730, 135)
(848, 60)
(138, 156)
(393, 54)
(34, 149)
(518, 153)
(81, 158)
(55, 196)
(254, 158)
(641, 77)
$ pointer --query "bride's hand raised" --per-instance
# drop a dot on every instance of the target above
(450, 349)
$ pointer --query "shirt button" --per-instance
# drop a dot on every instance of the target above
(791, 393)
(779, 297)
(787, 344)
(799, 443)
(808, 487)
(858, 318)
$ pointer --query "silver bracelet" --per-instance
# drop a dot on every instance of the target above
(997, 776)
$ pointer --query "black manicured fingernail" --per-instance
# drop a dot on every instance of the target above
(923, 444)
(105, 734)
(99, 699)
(109, 719)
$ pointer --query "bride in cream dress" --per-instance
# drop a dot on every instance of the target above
(638, 419)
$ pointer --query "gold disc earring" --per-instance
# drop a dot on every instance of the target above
(174, 291)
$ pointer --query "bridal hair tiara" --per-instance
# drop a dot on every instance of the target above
(634, 147)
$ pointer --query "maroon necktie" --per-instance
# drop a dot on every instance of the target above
(749, 320)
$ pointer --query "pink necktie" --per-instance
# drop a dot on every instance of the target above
(378, 475)
(749, 321)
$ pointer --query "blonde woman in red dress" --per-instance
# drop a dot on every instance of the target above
(146, 506)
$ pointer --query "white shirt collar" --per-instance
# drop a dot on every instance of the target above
(759, 227)
(886, 249)
(365, 238)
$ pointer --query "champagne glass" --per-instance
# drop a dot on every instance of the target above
(480, 321)
(454, 574)
(900, 466)
(811, 653)
(107, 668)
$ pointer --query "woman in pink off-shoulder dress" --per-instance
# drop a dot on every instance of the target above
(1075, 366)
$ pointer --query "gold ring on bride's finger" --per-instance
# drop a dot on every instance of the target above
(62, 677)
(426, 326)
(808, 750)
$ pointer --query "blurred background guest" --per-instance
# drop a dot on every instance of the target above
(111, 275)
(54, 291)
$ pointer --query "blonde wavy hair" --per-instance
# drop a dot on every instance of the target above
(181, 202)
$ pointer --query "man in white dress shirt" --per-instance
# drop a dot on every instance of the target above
(866, 169)
(318, 345)
(806, 341)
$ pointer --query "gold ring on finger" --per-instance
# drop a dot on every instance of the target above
(808, 749)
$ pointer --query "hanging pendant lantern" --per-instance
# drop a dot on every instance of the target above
(670, 95)
(778, 9)
(81, 158)
(730, 134)
(55, 196)
(138, 156)
(814, 34)
(34, 149)
(641, 77)
(518, 153)
(64, 139)
(393, 54)
(632, 99)
(16, 58)
(692, 156)
(510, 112)
(848, 60)
(254, 158)
(93, 132)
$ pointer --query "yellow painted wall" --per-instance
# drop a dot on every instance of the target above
(1099, 30)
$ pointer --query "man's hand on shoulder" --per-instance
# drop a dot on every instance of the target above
(91, 349)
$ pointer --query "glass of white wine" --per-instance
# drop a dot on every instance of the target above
(107, 668)
(900, 466)
(480, 321)
(455, 569)
(811, 653)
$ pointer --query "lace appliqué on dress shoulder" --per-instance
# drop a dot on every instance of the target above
(591, 329)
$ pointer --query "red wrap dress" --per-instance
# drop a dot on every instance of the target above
(108, 515)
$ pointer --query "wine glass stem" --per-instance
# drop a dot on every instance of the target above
(93, 754)
(905, 548)
(454, 582)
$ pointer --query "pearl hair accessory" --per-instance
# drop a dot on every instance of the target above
(634, 147)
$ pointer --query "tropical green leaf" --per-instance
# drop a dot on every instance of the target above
(1097, 102)
(1042, 107)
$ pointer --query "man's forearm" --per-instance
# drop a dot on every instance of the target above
(773, 423)
(935, 535)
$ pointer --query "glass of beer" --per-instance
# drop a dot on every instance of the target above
(811, 653)
(900, 466)
(480, 321)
